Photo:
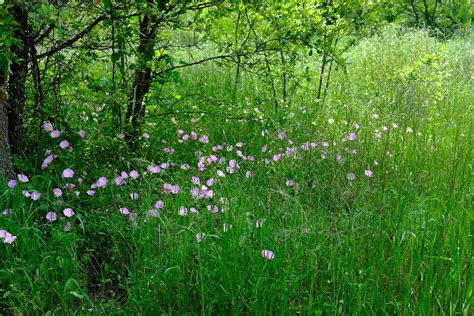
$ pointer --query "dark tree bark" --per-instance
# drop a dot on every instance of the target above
(142, 78)
(6, 170)
(17, 79)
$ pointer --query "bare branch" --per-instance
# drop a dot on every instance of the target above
(74, 39)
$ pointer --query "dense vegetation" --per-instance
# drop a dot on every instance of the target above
(219, 157)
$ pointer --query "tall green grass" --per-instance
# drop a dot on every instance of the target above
(398, 243)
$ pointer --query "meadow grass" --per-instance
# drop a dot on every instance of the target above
(345, 241)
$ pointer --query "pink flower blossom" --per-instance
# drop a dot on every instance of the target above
(67, 173)
(55, 134)
(67, 227)
(281, 135)
(204, 139)
(159, 204)
(64, 144)
(47, 161)
(213, 208)
(12, 184)
(102, 182)
(124, 211)
(200, 237)
(22, 178)
(369, 173)
(183, 211)
(47, 126)
(351, 136)
(51, 216)
(277, 157)
(134, 174)
(154, 169)
(119, 181)
(7, 237)
(82, 134)
(35, 196)
(268, 255)
(90, 192)
(68, 212)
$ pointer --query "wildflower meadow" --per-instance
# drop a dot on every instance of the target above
(214, 158)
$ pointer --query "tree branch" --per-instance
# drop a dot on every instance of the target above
(74, 39)
(159, 73)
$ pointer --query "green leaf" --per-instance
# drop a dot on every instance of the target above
(79, 296)
(116, 56)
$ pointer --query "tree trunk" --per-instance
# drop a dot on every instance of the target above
(17, 79)
(6, 170)
(142, 79)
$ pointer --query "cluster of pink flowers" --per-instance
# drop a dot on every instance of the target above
(213, 163)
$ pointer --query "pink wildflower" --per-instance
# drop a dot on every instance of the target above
(64, 144)
(351, 136)
(22, 178)
(68, 212)
(12, 184)
(124, 211)
(68, 173)
(268, 255)
(51, 216)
